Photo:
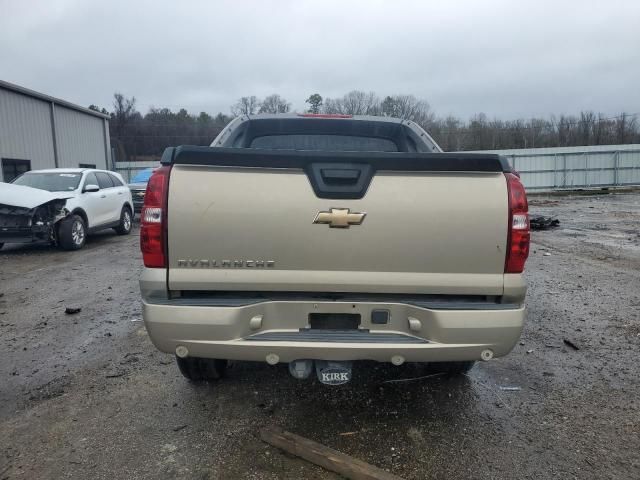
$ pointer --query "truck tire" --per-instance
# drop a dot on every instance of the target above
(451, 368)
(72, 233)
(126, 221)
(201, 369)
(1, 245)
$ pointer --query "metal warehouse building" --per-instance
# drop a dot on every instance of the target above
(38, 131)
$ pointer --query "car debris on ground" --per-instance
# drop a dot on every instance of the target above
(540, 222)
(569, 343)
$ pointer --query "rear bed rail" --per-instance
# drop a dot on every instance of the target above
(302, 159)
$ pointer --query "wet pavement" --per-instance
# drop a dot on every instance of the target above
(87, 396)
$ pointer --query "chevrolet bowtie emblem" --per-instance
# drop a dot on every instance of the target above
(339, 218)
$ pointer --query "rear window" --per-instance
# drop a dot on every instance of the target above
(346, 143)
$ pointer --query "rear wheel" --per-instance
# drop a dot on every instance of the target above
(72, 233)
(451, 368)
(201, 369)
(1, 245)
(124, 227)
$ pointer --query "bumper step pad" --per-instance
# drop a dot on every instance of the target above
(335, 336)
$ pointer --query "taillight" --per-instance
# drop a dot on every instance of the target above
(153, 220)
(325, 115)
(518, 235)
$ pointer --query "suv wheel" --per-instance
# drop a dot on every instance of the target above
(126, 221)
(72, 233)
(201, 369)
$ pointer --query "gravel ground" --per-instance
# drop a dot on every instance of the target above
(88, 396)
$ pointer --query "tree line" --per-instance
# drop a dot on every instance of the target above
(141, 136)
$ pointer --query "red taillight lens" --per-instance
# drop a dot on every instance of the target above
(325, 115)
(518, 236)
(153, 220)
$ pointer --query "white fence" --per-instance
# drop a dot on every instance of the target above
(576, 167)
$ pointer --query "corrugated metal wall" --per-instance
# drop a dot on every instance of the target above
(80, 138)
(26, 132)
(25, 129)
(545, 169)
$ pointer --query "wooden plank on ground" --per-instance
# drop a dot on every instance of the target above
(326, 457)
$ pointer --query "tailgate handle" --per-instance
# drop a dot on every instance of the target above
(340, 176)
(339, 179)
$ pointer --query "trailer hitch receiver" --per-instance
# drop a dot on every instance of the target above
(333, 373)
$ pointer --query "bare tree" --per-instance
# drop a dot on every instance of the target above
(274, 104)
(356, 102)
(333, 105)
(586, 126)
(632, 128)
(599, 130)
(625, 126)
(537, 131)
(408, 107)
(123, 110)
(245, 106)
(448, 132)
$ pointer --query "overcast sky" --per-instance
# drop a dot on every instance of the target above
(509, 59)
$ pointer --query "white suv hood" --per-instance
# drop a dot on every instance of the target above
(27, 197)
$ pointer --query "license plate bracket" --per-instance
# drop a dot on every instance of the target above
(334, 321)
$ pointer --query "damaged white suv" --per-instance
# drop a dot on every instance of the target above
(63, 205)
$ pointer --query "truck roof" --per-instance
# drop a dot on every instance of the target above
(312, 116)
(242, 130)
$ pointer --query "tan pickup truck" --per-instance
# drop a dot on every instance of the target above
(319, 240)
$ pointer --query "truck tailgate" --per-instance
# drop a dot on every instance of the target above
(251, 228)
